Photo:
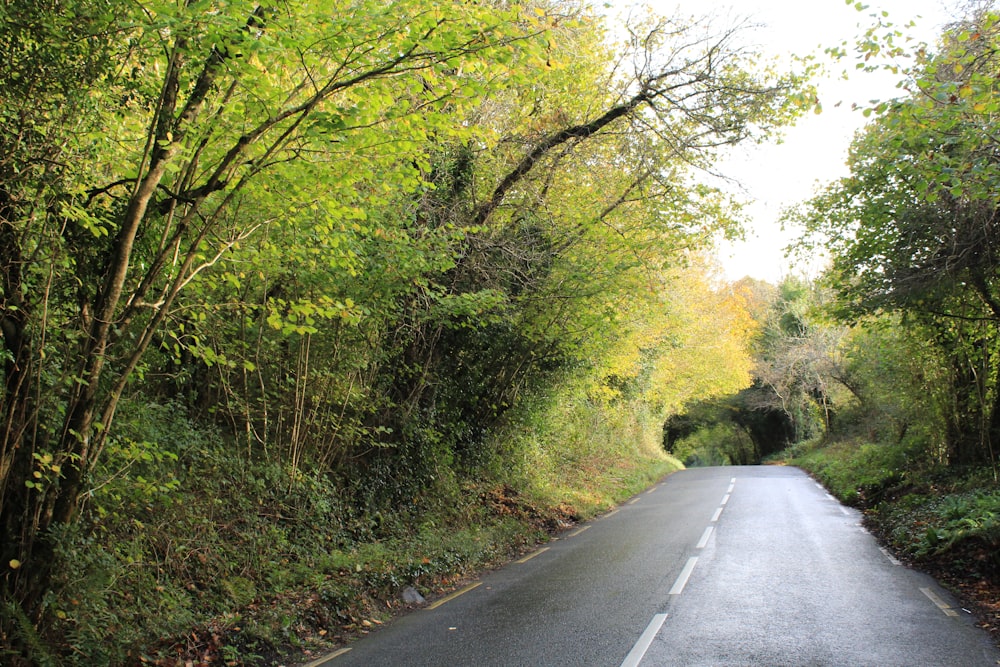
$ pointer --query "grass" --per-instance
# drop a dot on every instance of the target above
(947, 520)
(229, 561)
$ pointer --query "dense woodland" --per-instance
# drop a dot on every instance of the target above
(307, 302)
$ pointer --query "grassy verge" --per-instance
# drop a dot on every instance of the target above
(194, 555)
(944, 521)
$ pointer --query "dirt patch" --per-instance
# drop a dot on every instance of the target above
(504, 500)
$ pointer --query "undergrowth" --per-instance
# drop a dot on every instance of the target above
(193, 554)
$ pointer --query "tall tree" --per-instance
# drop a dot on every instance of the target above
(399, 188)
(913, 229)
(104, 228)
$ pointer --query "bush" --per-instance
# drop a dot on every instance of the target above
(191, 551)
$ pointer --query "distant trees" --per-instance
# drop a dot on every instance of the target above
(355, 236)
(795, 387)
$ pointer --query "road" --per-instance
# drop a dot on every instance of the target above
(734, 566)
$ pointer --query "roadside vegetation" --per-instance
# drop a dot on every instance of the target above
(310, 308)
(309, 304)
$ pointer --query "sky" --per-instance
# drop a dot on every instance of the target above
(813, 152)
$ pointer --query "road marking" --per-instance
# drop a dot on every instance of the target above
(653, 489)
(578, 531)
(612, 512)
(633, 501)
(641, 646)
(892, 559)
(730, 489)
(718, 513)
(844, 510)
(725, 499)
(732, 480)
(449, 598)
(683, 577)
(829, 497)
(532, 555)
(941, 604)
(704, 538)
(325, 658)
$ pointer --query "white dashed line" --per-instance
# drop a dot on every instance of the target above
(683, 577)
(718, 513)
(635, 655)
(704, 538)
(725, 499)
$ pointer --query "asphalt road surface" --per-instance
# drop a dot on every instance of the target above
(713, 566)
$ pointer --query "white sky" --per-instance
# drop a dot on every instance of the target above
(814, 150)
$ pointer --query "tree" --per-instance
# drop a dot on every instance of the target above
(104, 229)
(219, 194)
(912, 230)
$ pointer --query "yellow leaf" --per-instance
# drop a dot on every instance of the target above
(14, 563)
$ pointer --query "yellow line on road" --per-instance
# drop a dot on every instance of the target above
(324, 659)
(449, 598)
(532, 555)
(941, 604)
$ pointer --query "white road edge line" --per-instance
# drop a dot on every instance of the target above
(732, 480)
(725, 499)
(941, 604)
(683, 577)
(730, 489)
(641, 646)
(704, 538)
(718, 513)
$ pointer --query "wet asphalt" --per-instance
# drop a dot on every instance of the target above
(734, 566)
